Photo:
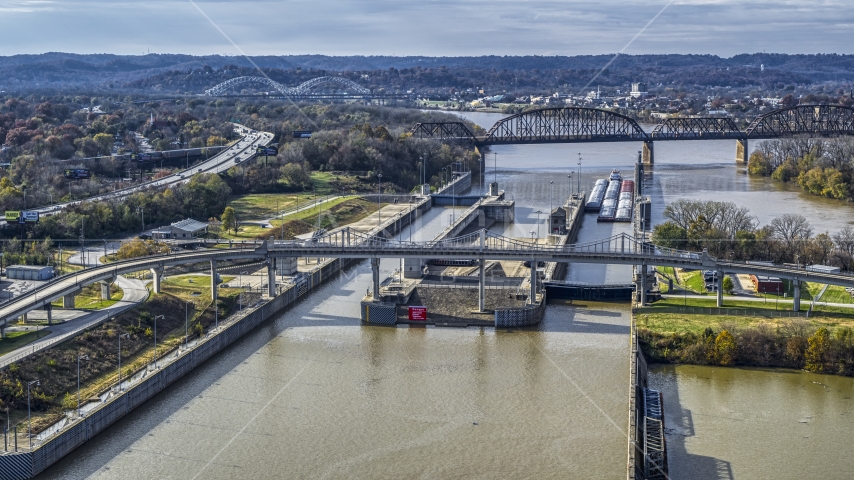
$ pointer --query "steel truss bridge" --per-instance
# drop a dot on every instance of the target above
(582, 125)
(303, 90)
(349, 243)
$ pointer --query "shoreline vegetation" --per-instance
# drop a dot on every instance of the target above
(823, 343)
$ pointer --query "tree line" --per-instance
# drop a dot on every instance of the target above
(822, 167)
(791, 344)
(726, 230)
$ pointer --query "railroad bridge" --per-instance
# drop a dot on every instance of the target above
(585, 125)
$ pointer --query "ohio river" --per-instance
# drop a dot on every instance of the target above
(312, 394)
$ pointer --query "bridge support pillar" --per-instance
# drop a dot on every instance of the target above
(648, 152)
(68, 300)
(741, 151)
(720, 289)
(481, 299)
(287, 265)
(796, 294)
(271, 278)
(214, 280)
(533, 281)
(157, 275)
(375, 270)
(105, 289)
(49, 309)
(643, 285)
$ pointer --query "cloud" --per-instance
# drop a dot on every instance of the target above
(425, 27)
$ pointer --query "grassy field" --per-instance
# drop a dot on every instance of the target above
(693, 281)
(669, 323)
(90, 297)
(769, 306)
(836, 294)
(66, 268)
(341, 211)
(15, 340)
(263, 205)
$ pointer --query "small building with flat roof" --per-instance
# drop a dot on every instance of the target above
(765, 284)
(29, 272)
(184, 229)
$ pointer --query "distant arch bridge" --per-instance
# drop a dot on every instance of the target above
(583, 125)
(301, 90)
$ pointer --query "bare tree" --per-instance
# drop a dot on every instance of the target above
(792, 230)
(844, 251)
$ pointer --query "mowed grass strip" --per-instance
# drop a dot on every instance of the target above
(671, 323)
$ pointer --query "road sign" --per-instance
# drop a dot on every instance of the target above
(30, 216)
(12, 215)
(271, 151)
(418, 314)
(302, 133)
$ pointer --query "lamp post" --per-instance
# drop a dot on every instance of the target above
(578, 180)
(538, 222)
(379, 198)
(186, 323)
(29, 418)
(85, 357)
(570, 183)
(141, 210)
(240, 298)
(155, 338)
(421, 172)
(126, 335)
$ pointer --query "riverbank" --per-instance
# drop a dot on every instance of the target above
(820, 344)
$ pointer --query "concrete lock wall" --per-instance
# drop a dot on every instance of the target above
(24, 465)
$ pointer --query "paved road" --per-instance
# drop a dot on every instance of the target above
(134, 293)
(239, 152)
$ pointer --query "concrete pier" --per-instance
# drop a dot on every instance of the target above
(157, 275)
(796, 294)
(742, 153)
(648, 152)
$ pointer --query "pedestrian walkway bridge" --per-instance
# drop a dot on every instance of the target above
(350, 243)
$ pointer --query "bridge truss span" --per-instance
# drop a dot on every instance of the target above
(814, 120)
(565, 125)
(697, 128)
(444, 131)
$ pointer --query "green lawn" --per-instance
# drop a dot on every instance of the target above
(90, 297)
(194, 281)
(353, 211)
(669, 323)
(15, 340)
(693, 281)
(836, 294)
(263, 205)
(770, 305)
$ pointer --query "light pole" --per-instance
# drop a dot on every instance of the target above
(186, 323)
(142, 212)
(421, 172)
(578, 179)
(85, 357)
(29, 418)
(379, 198)
(538, 222)
(240, 298)
(155, 338)
(126, 335)
(570, 183)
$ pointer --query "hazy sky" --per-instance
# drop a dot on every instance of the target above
(427, 27)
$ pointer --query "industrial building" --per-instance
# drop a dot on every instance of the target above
(29, 272)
